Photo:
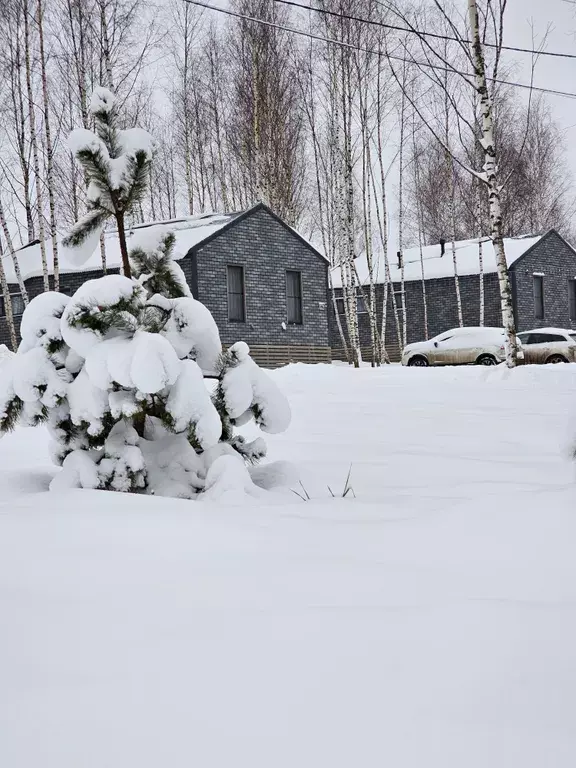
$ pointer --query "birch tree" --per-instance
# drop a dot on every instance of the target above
(7, 300)
(493, 16)
(48, 146)
(493, 182)
(34, 142)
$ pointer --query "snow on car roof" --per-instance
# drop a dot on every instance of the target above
(190, 231)
(469, 330)
(548, 330)
(437, 265)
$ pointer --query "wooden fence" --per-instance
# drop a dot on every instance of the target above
(275, 355)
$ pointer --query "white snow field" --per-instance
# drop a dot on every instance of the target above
(428, 623)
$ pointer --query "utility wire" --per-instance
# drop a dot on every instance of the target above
(435, 35)
(332, 41)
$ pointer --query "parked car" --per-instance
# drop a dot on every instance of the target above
(458, 346)
(548, 345)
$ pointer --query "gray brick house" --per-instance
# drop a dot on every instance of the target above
(543, 276)
(262, 281)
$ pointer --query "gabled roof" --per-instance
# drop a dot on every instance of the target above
(191, 233)
(437, 265)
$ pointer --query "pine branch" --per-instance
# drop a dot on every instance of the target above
(95, 164)
(84, 227)
(138, 170)
(155, 267)
(123, 315)
(106, 124)
(11, 414)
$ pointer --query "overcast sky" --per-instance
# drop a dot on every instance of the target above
(559, 74)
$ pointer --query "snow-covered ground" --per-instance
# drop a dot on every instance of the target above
(428, 623)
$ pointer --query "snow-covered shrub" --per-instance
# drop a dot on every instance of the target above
(117, 373)
(117, 370)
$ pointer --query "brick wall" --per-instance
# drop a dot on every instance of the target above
(266, 249)
(441, 304)
(69, 283)
(551, 256)
(554, 258)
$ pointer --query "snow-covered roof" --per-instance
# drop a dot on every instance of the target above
(190, 231)
(438, 265)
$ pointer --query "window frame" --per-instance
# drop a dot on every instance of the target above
(361, 303)
(3, 307)
(572, 298)
(230, 293)
(300, 297)
(539, 310)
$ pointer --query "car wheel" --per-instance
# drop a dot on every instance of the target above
(418, 362)
(486, 360)
(556, 359)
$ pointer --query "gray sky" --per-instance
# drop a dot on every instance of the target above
(559, 74)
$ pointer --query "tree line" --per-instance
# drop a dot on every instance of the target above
(358, 127)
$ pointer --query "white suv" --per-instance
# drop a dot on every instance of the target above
(458, 346)
(548, 345)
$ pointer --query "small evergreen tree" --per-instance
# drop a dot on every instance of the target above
(117, 372)
(117, 165)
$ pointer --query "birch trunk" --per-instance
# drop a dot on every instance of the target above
(453, 243)
(481, 278)
(382, 218)
(349, 216)
(452, 192)
(17, 91)
(12, 252)
(420, 219)
(7, 304)
(106, 54)
(492, 181)
(49, 150)
(324, 229)
(401, 214)
(34, 143)
(366, 206)
(480, 253)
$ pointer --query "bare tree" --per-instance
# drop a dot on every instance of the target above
(49, 147)
(7, 299)
(489, 175)
(266, 114)
(34, 142)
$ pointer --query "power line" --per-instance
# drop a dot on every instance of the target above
(332, 41)
(435, 35)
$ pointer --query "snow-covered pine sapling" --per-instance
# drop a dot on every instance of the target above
(117, 164)
(117, 372)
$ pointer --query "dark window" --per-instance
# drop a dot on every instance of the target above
(17, 305)
(546, 338)
(538, 297)
(572, 298)
(294, 297)
(236, 299)
(340, 305)
(541, 338)
(361, 304)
